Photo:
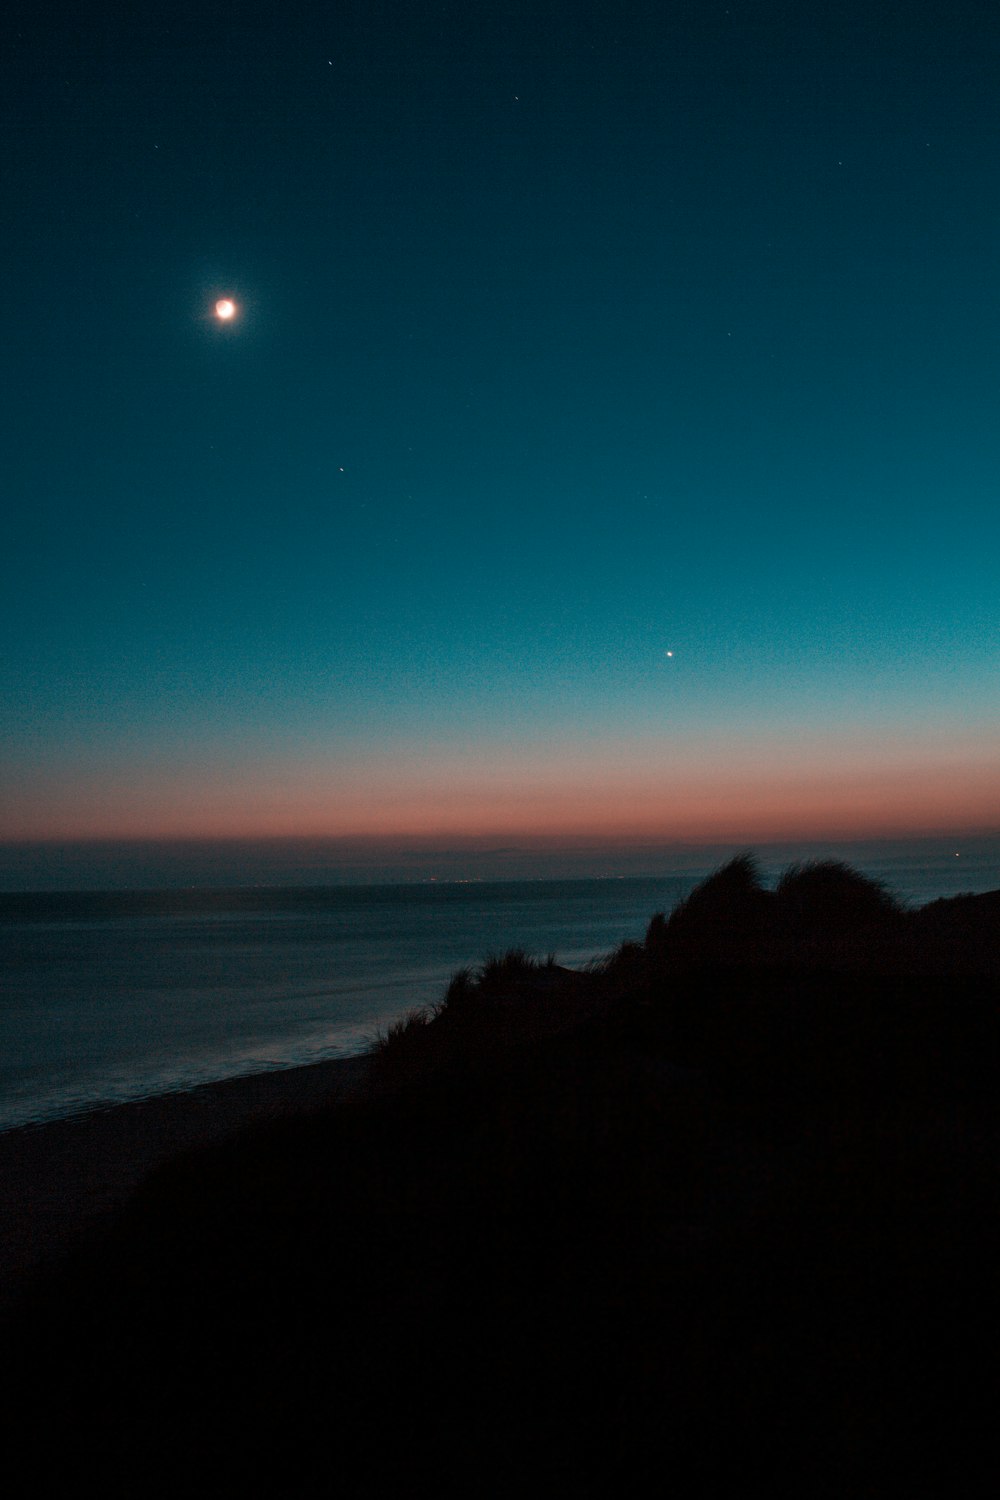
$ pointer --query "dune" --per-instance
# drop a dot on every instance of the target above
(719, 1212)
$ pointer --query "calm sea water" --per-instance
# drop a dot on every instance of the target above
(115, 996)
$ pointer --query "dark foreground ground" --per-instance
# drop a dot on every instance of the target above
(719, 1218)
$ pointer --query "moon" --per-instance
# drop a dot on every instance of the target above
(225, 309)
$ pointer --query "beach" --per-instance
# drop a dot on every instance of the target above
(62, 1180)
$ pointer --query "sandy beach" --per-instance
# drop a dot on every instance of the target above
(60, 1179)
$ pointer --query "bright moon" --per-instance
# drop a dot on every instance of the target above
(225, 309)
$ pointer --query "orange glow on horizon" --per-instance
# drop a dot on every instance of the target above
(702, 793)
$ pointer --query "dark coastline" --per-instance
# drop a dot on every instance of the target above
(718, 1214)
(61, 1179)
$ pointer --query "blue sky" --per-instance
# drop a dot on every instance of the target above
(567, 336)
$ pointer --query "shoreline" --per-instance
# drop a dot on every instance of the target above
(60, 1179)
(739, 1180)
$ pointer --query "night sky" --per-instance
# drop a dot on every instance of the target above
(569, 336)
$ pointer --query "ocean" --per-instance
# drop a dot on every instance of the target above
(114, 996)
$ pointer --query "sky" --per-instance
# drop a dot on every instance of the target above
(605, 443)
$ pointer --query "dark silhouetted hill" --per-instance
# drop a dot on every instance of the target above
(717, 1217)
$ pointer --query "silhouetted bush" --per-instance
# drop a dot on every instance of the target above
(656, 932)
(723, 915)
(827, 897)
(461, 991)
(509, 998)
(399, 1035)
(502, 970)
(734, 886)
